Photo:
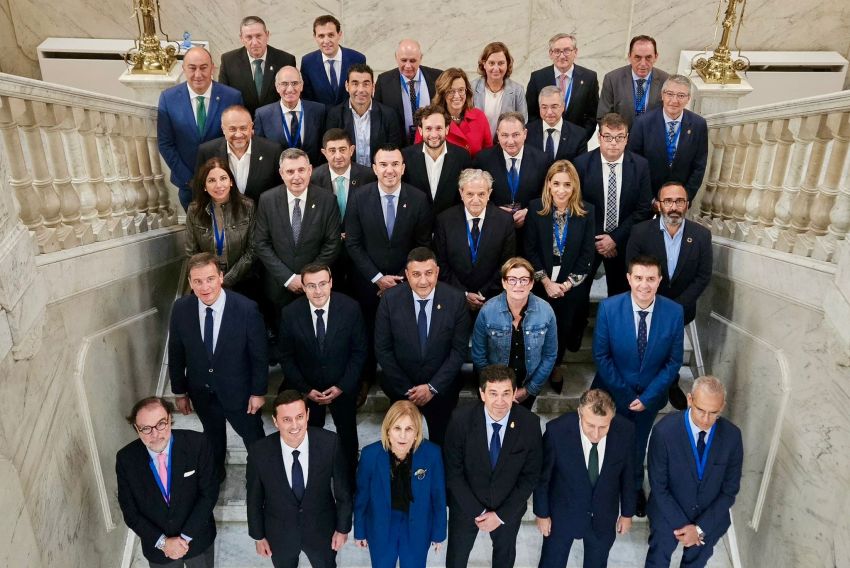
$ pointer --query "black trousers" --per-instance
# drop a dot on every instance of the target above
(556, 549)
(570, 314)
(662, 544)
(213, 417)
(323, 557)
(204, 560)
(462, 533)
(344, 412)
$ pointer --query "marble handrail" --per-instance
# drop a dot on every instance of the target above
(82, 167)
(778, 175)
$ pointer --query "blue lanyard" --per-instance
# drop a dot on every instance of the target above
(672, 143)
(560, 238)
(568, 94)
(407, 91)
(643, 101)
(219, 237)
(166, 491)
(293, 139)
(473, 244)
(701, 463)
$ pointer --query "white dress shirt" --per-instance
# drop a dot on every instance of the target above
(315, 318)
(636, 309)
(218, 311)
(303, 458)
(299, 110)
(262, 58)
(586, 445)
(337, 58)
(480, 218)
(434, 167)
(556, 136)
(193, 98)
(518, 159)
(240, 167)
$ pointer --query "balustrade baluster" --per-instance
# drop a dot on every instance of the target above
(135, 178)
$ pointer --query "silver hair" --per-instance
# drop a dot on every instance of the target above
(556, 37)
(548, 91)
(710, 385)
(293, 154)
(511, 115)
(471, 174)
(282, 69)
(679, 80)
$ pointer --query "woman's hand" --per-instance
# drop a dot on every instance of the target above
(361, 543)
(437, 547)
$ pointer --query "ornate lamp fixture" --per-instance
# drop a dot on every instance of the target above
(719, 68)
(148, 57)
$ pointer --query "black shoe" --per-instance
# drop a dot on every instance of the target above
(640, 507)
(557, 386)
(677, 398)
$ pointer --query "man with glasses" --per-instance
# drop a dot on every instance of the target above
(323, 347)
(684, 249)
(673, 139)
(578, 85)
(167, 488)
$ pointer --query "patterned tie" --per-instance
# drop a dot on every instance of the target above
(422, 324)
(295, 128)
(411, 91)
(642, 334)
(162, 469)
(341, 198)
(701, 444)
(297, 476)
(296, 220)
(202, 116)
(550, 145)
(495, 445)
(390, 215)
(639, 109)
(671, 134)
(562, 83)
(258, 75)
(334, 80)
(611, 201)
(593, 464)
(208, 332)
(320, 328)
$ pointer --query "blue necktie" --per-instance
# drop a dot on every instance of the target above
(701, 444)
(320, 328)
(297, 476)
(422, 324)
(208, 332)
(639, 108)
(296, 220)
(671, 135)
(642, 334)
(334, 80)
(513, 174)
(495, 445)
(390, 215)
(550, 145)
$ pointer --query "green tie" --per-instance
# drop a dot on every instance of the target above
(258, 75)
(202, 116)
(593, 465)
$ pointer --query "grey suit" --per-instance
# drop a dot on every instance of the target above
(513, 98)
(618, 93)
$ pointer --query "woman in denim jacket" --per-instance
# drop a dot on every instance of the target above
(517, 329)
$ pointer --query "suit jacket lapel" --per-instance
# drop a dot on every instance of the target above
(437, 315)
(189, 111)
(376, 202)
(508, 441)
(685, 251)
(401, 213)
(625, 185)
(374, 125)
(224, 327)
(212, 122)
(306, 323)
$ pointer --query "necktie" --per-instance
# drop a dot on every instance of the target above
(513, 176)
(208, 332)
(642, 334)
(258, 75)
(701, 444)
(476, 231)
(297, 476)
(671, 134)
(562, 83)
(639, 110)
(411, 91)
(202, 116)
(495, 445)
(320, 328)
(340, 194)
(593, 465)
(296, 220)
(611, 202)
(334, 80)
(295, 128)
(422, 324)
(390, 216)
(550, 145)
(162, 469)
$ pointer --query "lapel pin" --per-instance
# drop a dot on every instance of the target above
(420, 473)
(512, 425)
(439, 307)
(581, 82)
(261, 157)
(404, 206)
(313, 206)
(690, 240)
(217, 98)
(689, 131)
(271, 68)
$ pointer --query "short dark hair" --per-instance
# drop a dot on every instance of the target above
(287, 396)
(334, 134)
(388, 147)
(326, 19)
(669, 184)
(428, 110)
(645, 260)
(598, 402)
(638, 38)
(360, 68)
(496, 374)
(315, 268)
(250, 20)
(201, 259)
(146, 402)
(614, 121)
(421, 254)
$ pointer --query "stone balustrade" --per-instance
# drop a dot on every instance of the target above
(82, 167)
(778, 176)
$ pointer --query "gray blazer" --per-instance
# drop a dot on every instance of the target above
(618, 93)
(512, 100)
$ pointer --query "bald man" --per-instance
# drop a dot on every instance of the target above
(188, 115)
(408, 87)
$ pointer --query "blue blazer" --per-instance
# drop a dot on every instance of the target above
(177, 131)
(619, 369)
(317, 86)
(565, 494)
(373, 506)
(678, 497)
(268, 122)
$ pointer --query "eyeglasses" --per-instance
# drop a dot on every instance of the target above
(559, 52)
(680, 202)
(678, 96)
(317, 285)
(453, 92)
(287, 84)
(514, 281)
(619, 138)
(160, 426)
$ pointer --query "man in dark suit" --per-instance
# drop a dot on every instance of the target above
(221, 367)
(637, 347)
(616, 182)
(586, 489)
(421, 338)
(292, 122)
(325, 68)
(556, 137)
(323, 347)
(493, 455)
(408, 87)
(188, 115)
(578, 85)
(695, 465)
(434, 165)
(253, 159)
(684, 249)
(167, 488)
(473, 240)
(518, 169)
(673, 139)
(296, 225)
(635, 88)
(251, 68)
(306, 504)
(369, 123)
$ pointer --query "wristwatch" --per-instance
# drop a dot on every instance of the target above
(700, 535)
(539, 275)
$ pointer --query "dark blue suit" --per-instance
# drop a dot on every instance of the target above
(648, 138)
(426, 519)
(220, 388)
(177, 130)
(620, 371)
(679, 498)
(577, 509)
(317, 86)
(268, 122)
